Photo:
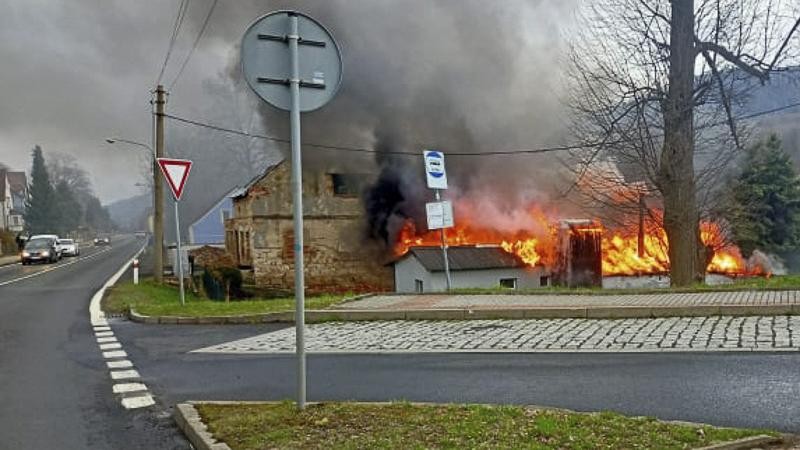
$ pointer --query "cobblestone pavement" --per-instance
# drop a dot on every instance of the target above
(720, 333)
(744, 298)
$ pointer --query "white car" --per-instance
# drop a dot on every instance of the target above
(49, 236)
(69, 247)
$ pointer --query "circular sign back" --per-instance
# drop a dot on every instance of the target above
(266, 61)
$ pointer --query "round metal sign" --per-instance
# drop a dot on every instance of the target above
(266, 61)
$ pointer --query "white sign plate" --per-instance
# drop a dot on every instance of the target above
(434, 169)
(440, 215)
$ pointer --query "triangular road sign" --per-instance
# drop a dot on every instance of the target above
(176, 171)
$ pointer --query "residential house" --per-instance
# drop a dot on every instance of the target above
(18, 184)
(5, 200)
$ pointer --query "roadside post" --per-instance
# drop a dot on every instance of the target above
(293, 63)
(439, 213)
(176, 171)
(136, 271)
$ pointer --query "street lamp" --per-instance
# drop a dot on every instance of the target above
(126, 141)
(158, 211)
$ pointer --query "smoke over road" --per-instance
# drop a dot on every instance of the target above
(465, 76)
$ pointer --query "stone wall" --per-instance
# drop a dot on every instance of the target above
(338, 258)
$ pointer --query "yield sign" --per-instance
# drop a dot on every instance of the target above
(176, 171)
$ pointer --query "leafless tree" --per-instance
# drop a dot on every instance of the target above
(64, 168)
(653, 80)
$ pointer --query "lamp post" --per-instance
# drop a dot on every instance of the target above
(158, 210)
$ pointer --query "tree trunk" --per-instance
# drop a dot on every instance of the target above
(677, 156)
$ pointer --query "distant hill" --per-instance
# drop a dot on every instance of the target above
(130, 214)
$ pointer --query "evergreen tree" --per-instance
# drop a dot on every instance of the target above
(40, 212)
(69, 208)
(765, 207)
(96, 216)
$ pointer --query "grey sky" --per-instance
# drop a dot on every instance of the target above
(74, 72)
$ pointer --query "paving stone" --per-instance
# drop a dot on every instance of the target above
(530, 334)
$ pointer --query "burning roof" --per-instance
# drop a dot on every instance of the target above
(625, 250)
(466, 258)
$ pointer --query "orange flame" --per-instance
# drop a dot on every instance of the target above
(620, 247)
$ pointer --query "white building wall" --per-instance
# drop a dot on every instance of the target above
(406, 271)
(410, 269)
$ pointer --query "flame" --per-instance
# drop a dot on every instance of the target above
(620, 247)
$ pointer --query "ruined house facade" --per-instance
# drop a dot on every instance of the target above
(338, 258)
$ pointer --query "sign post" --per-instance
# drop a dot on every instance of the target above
(176, 171)
(440, 214)
(286, 54)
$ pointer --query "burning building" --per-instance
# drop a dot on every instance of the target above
(260, 235)
(421, 269)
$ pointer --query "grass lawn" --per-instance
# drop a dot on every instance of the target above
(403, 425)
(151, 299)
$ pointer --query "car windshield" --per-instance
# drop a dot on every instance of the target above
(38, 244)
(66, 241)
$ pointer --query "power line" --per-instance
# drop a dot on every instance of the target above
(194, 45)
(176, 28)
(371, 150)
(416, 154)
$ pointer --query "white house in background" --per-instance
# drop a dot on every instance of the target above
(18, 183)
(421, 269)
(5, 200)
(13, 193)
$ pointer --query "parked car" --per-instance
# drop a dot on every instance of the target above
(69, 247)
(53, 237)
(102, 241)
(40, 250)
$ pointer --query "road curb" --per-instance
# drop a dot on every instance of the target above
(749, 443)
(196, 431)
(9, 262)
(189, 421)
(359, 315)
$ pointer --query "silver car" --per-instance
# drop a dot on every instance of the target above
(69, 247)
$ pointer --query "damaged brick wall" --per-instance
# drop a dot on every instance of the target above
(337, 257)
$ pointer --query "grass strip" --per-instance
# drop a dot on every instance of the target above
(414, 426)
(152, 299)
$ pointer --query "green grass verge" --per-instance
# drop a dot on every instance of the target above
(741, 284)
(403, 425)
(151, 299)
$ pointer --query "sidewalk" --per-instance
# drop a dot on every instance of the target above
(755, 302)
(6, 260)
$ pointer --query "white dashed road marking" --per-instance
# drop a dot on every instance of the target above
(121, 364)
(111, 346)
(115, 354)
(124, 374)
(52, 268)
(138, 402)
(112, 351)
(124, 388)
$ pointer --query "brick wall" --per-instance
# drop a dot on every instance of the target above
(338, 257)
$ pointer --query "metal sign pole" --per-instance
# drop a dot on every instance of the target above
(179, 256)
(444, 250)
(269, 71)
(297, 194)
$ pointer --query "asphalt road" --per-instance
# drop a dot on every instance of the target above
(55, 390)
(728, 389)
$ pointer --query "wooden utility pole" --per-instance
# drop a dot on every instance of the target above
(158, 190)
